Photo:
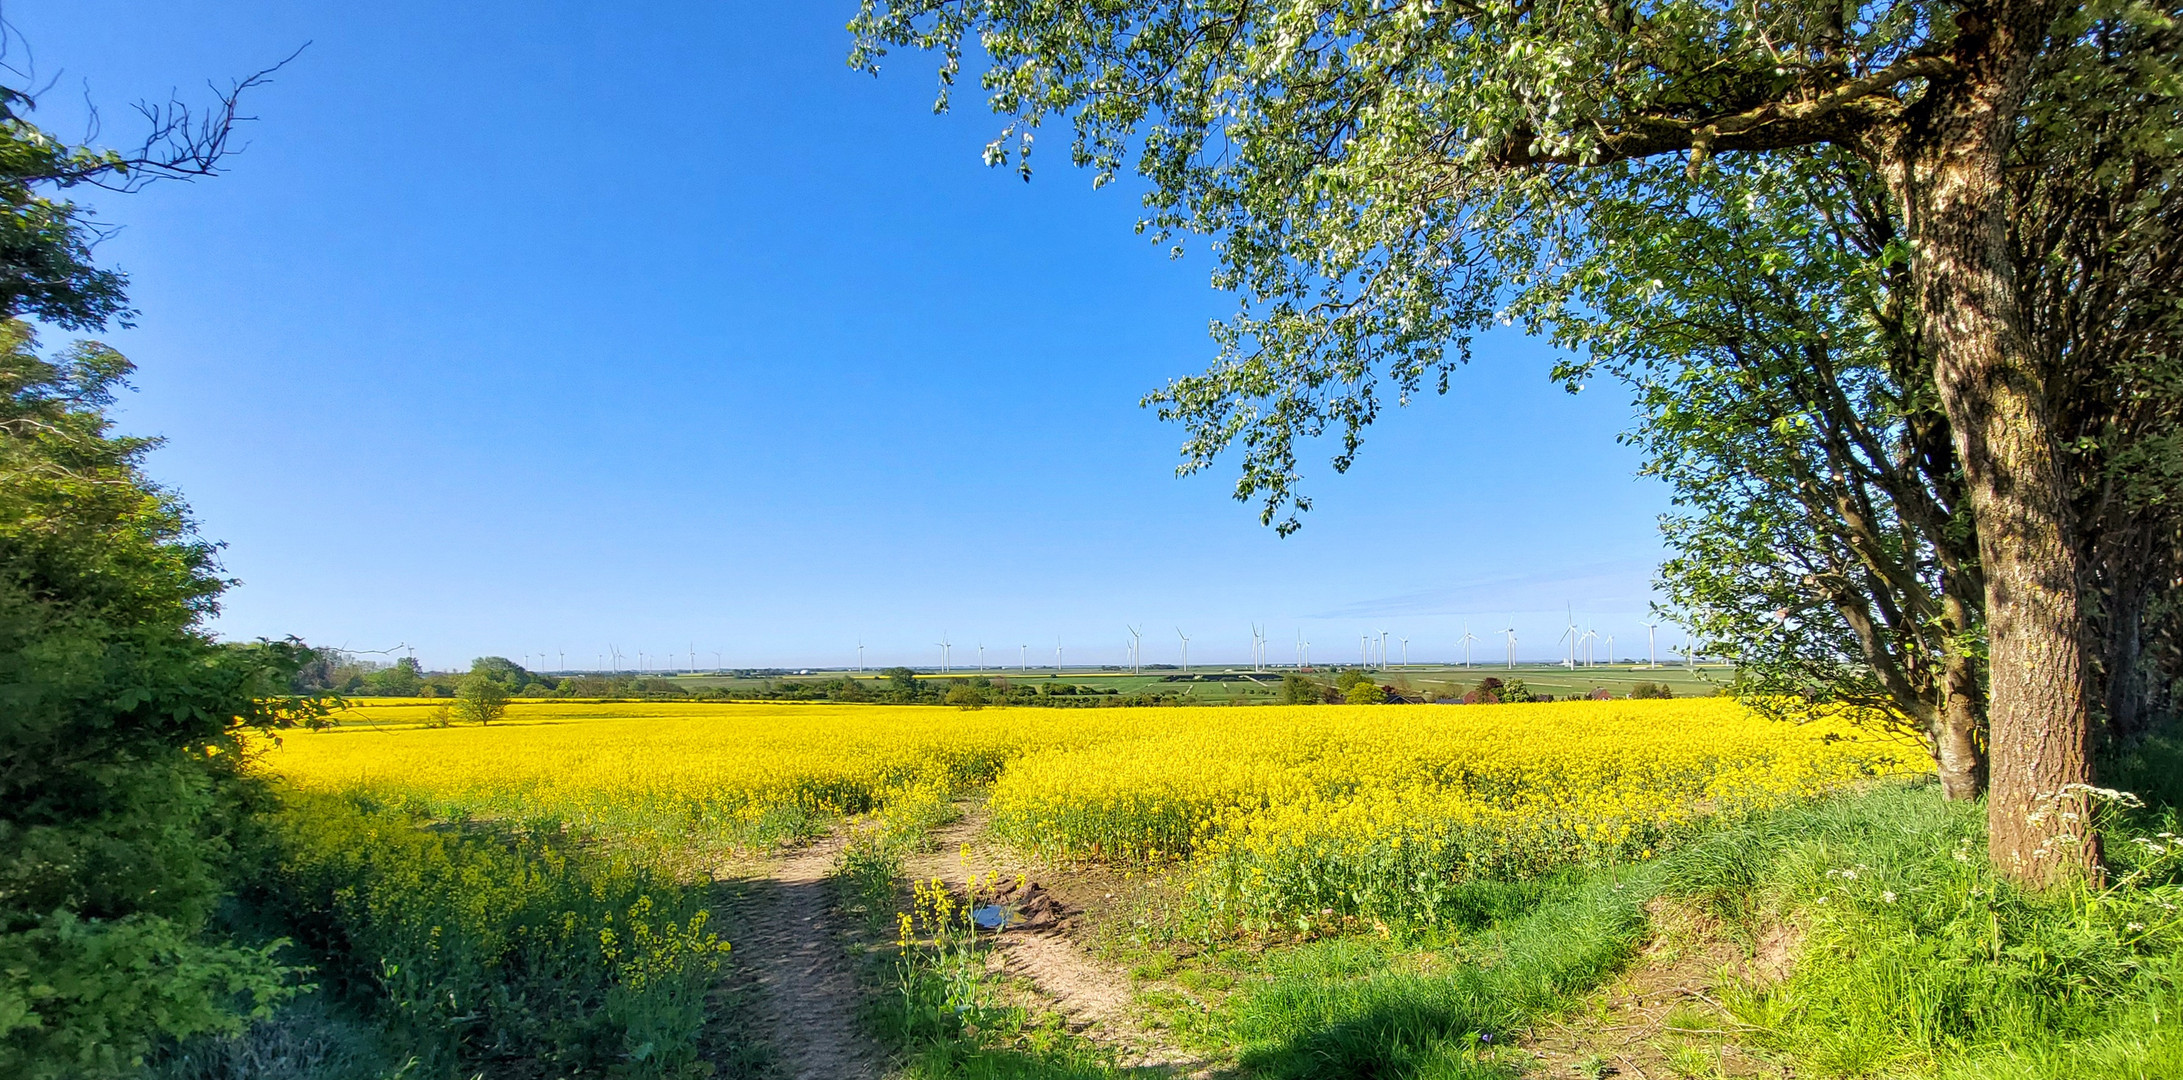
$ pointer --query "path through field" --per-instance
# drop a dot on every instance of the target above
(790, 961)
(1094, 996)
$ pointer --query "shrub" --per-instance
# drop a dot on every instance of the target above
(476, 949)
(118, 747)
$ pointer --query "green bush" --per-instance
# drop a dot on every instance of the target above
(476, 949)
(118, 719)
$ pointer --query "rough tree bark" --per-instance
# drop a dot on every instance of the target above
(1946, 170)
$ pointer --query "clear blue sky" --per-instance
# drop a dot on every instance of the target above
(531, 327)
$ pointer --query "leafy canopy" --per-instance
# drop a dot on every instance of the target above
(1381, 181)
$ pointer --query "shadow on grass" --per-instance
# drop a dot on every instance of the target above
(1333, 1010)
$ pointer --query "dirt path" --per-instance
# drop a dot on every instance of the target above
(1094, 996)
(788, 959)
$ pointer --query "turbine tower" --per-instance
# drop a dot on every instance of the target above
(1468, 637)
(1405, 652)
(944, 647)
(1652, 647)
(1023, 659)
(860, 656)
(1136, 649)
(1511, 632)
(1610, 648)
(1185, 649)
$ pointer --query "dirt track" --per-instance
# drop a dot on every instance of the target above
(789, 959)
(1094, 996)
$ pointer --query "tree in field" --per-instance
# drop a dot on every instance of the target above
(481, 699)
(1383, 179)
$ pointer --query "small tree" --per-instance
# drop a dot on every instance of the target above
(966, 696)
(481, 699)
(1365, 692)
(1297, 690)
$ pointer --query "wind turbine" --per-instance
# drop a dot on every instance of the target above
(1570, 635)
(1511, 632)
(1652, 650)
(1364, 648)
(1136, 649)
(860, 656)
(1590, 636)
(1610, 648)
(1468, 637)
(981, 656)
(1405, 652)
(944, 647)
(1023, 659)
(1057, 656)
(563, 654)
(1185, 649)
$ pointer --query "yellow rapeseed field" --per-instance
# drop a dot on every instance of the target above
(1277, 809)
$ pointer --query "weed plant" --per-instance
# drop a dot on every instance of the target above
(937, 1004)
(474, 949)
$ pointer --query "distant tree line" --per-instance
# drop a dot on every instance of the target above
(498, 679)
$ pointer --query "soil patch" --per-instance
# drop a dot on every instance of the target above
(1626, 1029)
(1042, 945)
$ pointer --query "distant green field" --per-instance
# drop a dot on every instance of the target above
(1225, 684)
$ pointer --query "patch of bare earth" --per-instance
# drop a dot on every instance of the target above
(1628, 1028)
(789, 964)
(1045, 946)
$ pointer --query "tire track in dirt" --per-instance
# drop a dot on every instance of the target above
(1094, 996)
(789, 962)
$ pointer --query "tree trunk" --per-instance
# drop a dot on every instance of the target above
(2127, 707)
(1946, 169)
(1956, 751)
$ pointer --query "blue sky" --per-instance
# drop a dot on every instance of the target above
(527, 328)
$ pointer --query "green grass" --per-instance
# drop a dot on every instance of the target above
(1917, 960)
(1346, 1007)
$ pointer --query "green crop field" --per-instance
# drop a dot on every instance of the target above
(1214, 685)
